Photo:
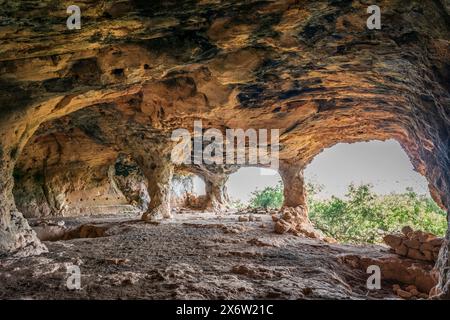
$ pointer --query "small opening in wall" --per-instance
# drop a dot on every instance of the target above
(118, 72)
(187, 192)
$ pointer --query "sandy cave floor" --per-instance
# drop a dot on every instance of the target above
(192, 256)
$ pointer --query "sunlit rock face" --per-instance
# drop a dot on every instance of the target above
(74, 100)
(62, 174)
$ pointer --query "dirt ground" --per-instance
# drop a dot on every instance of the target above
(192, 256)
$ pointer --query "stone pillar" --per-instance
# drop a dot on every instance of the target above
(442, 267)
(433, 164)
(159, 174)
(442, 273)
(217, 199)
(294, 188)
(294, 214)
(16, 236)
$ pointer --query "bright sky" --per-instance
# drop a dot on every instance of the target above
(241, 184)
(383, 164)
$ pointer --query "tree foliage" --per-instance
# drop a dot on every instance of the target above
(363, 216)
(269, 197)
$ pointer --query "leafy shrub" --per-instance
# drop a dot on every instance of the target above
(363, 216)
(269, 197)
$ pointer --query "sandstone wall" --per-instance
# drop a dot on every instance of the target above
(60, 177)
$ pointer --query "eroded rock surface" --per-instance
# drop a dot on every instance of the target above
(412, 265)
(72, 101)
(416, 245)
(193, 256)
(295, 220)
(394, 268)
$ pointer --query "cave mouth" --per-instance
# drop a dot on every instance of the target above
(255, 187)
(134, 74)
(359, 192)
(260, 194)
(188, 192)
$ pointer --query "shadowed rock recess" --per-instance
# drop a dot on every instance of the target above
(86, 115)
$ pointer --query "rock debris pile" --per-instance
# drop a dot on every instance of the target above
(295, 221)
(416, 245)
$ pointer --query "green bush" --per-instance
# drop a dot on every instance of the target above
(269, 197)
(363, 216)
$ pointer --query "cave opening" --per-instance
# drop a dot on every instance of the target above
(255, 187)
(88, 181)
(105, 106)
(363, 191)
(188, 192)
